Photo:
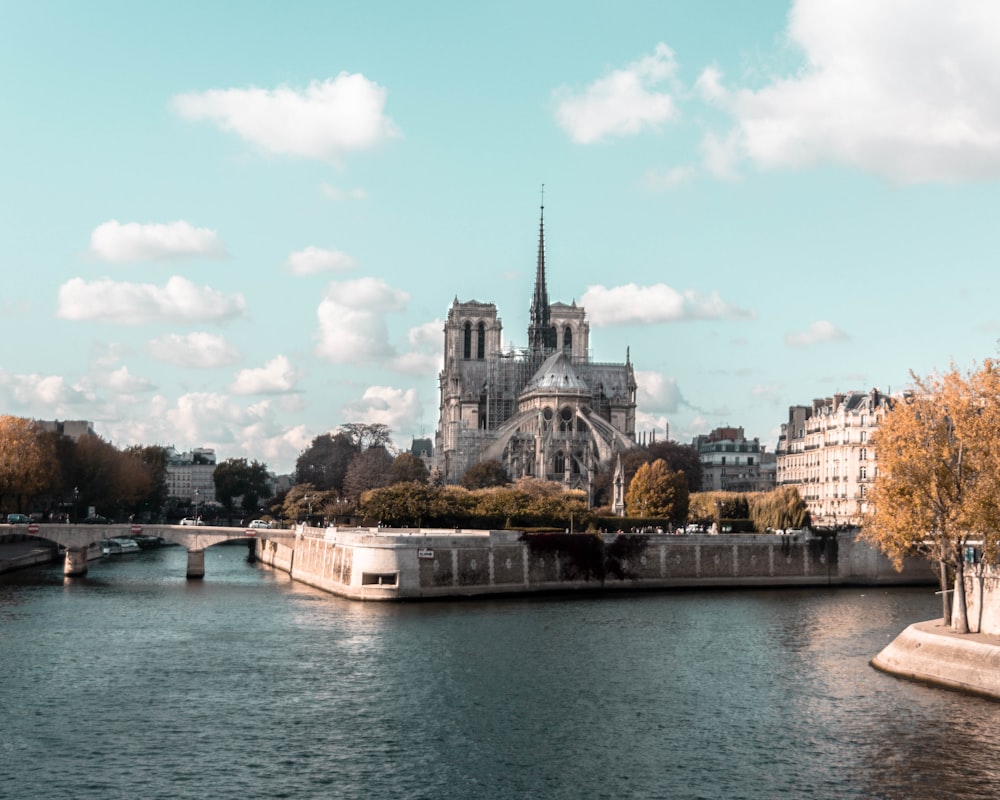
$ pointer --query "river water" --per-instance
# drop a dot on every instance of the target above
(135, 683)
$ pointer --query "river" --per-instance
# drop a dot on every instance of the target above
(134, 682)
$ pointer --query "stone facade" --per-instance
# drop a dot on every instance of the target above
(825, 451)
(383, 564)
(732, 463)
(190, 475)
(546, 411)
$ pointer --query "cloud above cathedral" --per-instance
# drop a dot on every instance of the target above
(623, 102)
(351, 315)
(324, 121)
(634, 304)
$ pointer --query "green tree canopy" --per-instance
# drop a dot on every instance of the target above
(779, 509)
(235, 478)
(369, 469)
(408, 468)
(324, 463)
(484, 474)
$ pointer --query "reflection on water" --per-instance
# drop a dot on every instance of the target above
(134, 682)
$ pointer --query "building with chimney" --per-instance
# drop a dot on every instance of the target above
(732, 463)
(545, 411)
(825, 451)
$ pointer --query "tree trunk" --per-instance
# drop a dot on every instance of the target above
(945, 594)
(961, 621)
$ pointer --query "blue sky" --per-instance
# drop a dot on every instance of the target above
(239, 226)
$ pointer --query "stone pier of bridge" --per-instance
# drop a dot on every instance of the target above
(78, 539)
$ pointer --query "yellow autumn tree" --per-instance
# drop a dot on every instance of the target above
(656, 491)
(27, 461)
(938, 479)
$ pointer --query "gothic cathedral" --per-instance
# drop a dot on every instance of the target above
(546, 411)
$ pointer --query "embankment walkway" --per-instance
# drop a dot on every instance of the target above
(931, 652)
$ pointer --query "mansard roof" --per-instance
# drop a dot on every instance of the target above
(556, 374)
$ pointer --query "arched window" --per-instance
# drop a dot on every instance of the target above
(481, 341)
(567, 340)
(467, 344)
(559, 463)
(566, 419)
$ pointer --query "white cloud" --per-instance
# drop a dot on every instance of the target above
(818, 332)
(630, 303)
(133, 303)
(336, 193)
(211, 420)
(418, 364)
(429, 335)
(906, 90)
(622, 103)
(425, 358)
(41, 396)
(324, 121)
(646, 423)
(276, 377)
(207, 418)
(396, 408)
(312, 260)
(121, 244)
(123, 381)
(352, 327)
(656, 392)
(199, 349)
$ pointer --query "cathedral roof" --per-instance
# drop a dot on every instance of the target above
(556, 374)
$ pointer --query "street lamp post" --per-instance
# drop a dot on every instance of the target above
(197, 499)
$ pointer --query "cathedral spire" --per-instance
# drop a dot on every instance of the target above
(541, 336)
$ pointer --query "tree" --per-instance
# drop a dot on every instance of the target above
(27, 460)
(484, 474)
(408, 468)
(367, 435)
(236, 478)
(656, 491)
(369, 469)
(402, 504)
(100, 474)
(153, 460)
(935, 492)
(324, 463)
(778, 509)
(678, 457)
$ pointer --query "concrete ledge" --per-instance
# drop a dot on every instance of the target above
(930, 652)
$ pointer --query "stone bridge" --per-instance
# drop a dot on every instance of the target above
(78, 539)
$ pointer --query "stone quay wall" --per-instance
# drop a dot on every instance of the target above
(400, 564)
(982, 597)
(930, 652)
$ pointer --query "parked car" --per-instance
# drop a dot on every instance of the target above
(259, 523)
(192, 521)
(96, 519)
(17, 519)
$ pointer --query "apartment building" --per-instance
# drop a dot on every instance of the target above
(825, 451)
(190, 475)
(732, 463)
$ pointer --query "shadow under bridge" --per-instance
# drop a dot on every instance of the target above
(79, 539)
